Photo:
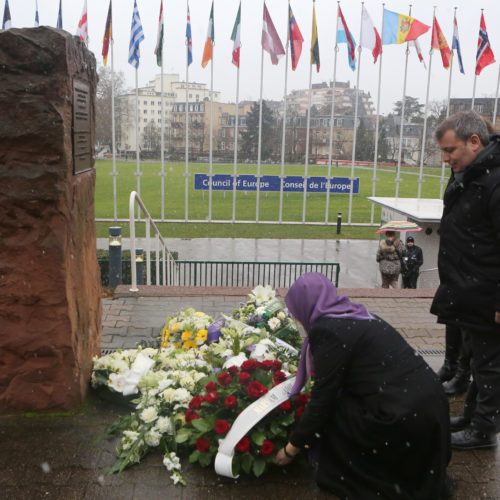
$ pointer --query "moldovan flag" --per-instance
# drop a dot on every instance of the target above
(208, 50)
(438, 41)
(159, 38)
(271, 42)
(314, 42)
(82, 30)
(370, 39)
(295, 38)
(108, 35)
(235, 37)
(399, 28)
(484, 55)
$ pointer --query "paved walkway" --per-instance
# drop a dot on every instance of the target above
(56, 456)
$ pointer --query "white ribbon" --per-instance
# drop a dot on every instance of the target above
(245, 421)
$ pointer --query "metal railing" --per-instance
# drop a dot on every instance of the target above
(170, 269)
(250, 274)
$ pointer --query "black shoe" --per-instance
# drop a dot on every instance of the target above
(447, 371)
(458, 423)
(457, 385)
(473, 439)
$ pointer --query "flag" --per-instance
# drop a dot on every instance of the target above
(189, 40)
(271, 42)
(7, 23)
(159, 38)
(82, 30)
(208, 50)
(59, 16)
(416, 44)
(235, 37)
(484, 55)
(295, 38)
(315, 42)
(108, 35)
(345, 36)
(439, 42)
(456, 45)
(37, 19)
(399, 28)
(136, 37)
(370, 38)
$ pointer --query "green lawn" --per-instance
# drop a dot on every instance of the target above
(245, 203)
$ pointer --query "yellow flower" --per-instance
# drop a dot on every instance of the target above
(189, 344)
(186, 335)
(201, 335)
(176, 327)
(199, 314)
(164, 343)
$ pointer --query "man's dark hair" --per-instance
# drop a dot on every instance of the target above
(465, 124)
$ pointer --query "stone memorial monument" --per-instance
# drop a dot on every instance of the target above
(50, 292)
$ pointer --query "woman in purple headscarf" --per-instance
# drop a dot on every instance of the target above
(379, 409)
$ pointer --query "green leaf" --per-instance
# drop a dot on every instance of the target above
(202, 424)
(194, 456)
(236, 466)
(183, 435)
(275, 428)
(246, 462)
(205, 459)
(258, 437)
(259, 465)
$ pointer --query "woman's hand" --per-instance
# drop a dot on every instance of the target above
(286, 454)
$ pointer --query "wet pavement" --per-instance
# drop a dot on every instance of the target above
(57, 457)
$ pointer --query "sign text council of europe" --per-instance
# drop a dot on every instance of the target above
(292, 183)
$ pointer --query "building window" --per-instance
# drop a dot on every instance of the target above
(152, 103)
(223, 145)
(145, 120)
(145, 103)
(145, 111)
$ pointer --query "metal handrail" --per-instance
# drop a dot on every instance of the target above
(168, 259)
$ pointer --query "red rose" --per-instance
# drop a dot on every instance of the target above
(224, 379)
(243, 445)
(279, 376)
(267, 364)
(244, 378)
(299, 411)
(212, 398)
(302, 399)
(190, 415)
(202, 445)
(210, 386)
(221, 427)
(231, 402)
(233, 370)
(195, 403)
(277, 365)
(256, 389)
(267, 447)
(285, 406)
(249, 365)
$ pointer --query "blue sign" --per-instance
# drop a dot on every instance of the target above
(291, 183)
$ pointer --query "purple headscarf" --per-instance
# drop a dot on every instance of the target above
(314, 296)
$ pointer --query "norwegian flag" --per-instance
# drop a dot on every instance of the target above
(484, 55)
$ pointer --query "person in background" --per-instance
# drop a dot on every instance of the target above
(413, 259)
(390, 255)
(370, 402)
(468, 295)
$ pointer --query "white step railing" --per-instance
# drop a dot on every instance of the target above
(170, 268)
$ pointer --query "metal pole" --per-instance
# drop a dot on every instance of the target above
(235, 161)
(138, 170)
(162, 154)
(186, 128)
(115, 256)
(210, 154)
(259, 147)
(496, 100)
(113, 131)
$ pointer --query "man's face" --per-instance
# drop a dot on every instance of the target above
(410, 243)
(459, 154)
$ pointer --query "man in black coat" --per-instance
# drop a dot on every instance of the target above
(469, 268)
(413, 259)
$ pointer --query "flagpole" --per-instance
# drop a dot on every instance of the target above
(210, 154)
(235, 162)
(377, 122)
(496, 100)
(306, 165)
(332, 116)
(401, 126)
(424, 131)
(355, 126)
(259, 147)
(283, 136)
(113, 129)
(475, 76)
(162, 155)
(186, 152)
(138, 173)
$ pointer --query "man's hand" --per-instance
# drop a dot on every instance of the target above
(284, 458)
(497, 317)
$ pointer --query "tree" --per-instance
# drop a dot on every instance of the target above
(383, 143)
(103, 114)
(250, 137)
(413, 110)
(151, 137)
(365, 142)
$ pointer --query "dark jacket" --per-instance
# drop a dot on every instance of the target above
(469, 249)
(413, 258)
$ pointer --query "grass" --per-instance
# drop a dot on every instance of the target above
(222, 205)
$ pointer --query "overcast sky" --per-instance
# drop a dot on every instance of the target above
(468, 16)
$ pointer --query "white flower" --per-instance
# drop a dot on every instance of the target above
(152, 437)
(235, 360)
(274, 323)
(164, 425)
(131, 435)
(182, 396)
(168, 395)
(260, 310)
(120, 383)
(187, 383)
(263, 294)
(281, 315)
(175, 478)
(149, 414)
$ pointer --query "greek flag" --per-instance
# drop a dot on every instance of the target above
(136, 37)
